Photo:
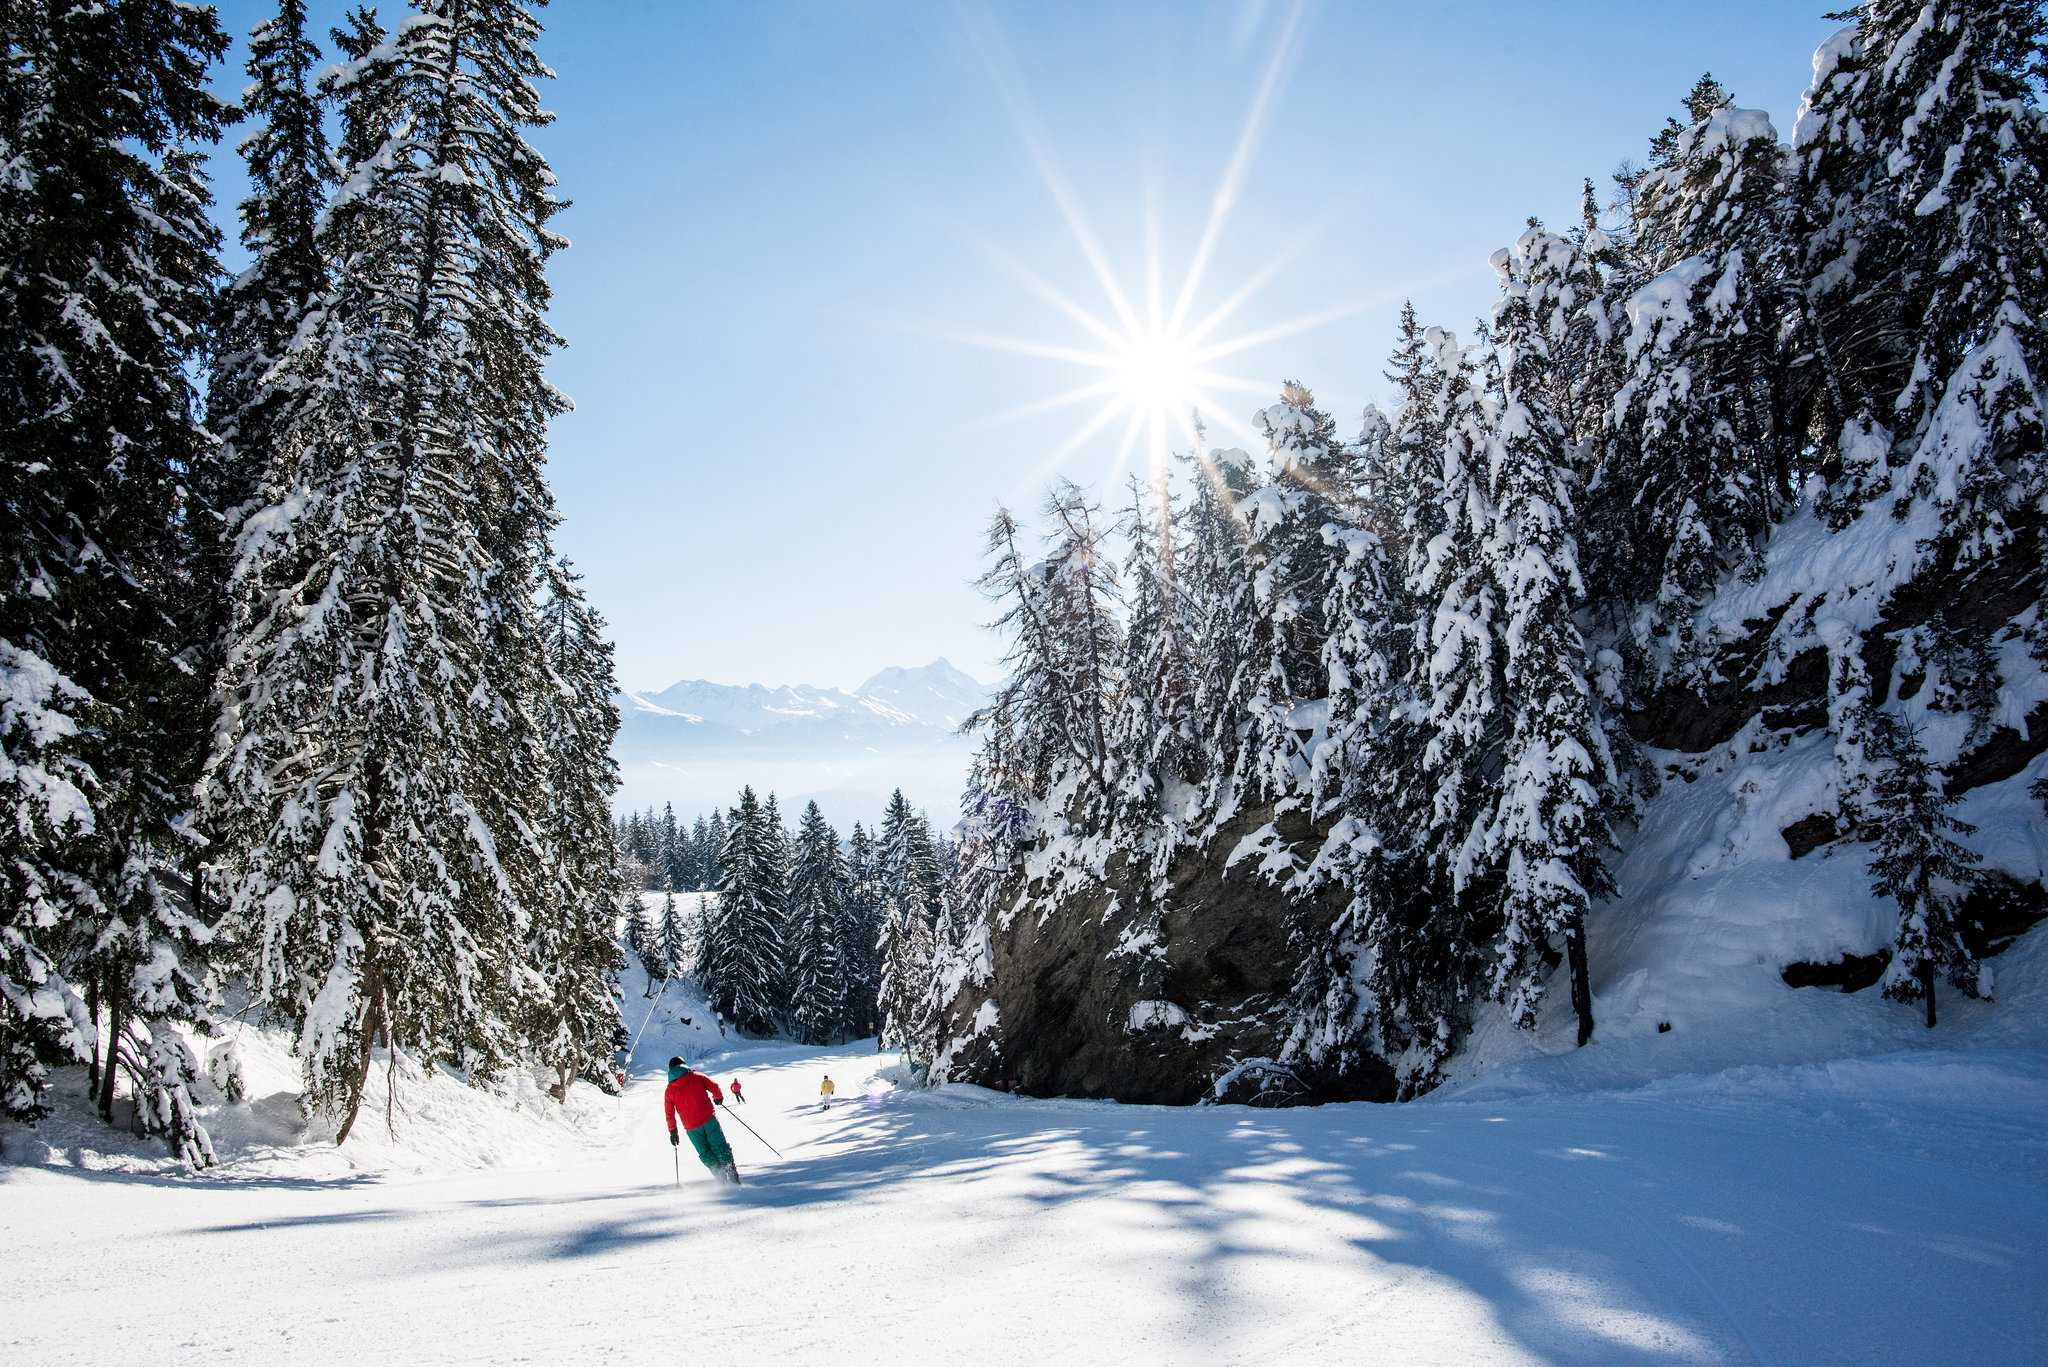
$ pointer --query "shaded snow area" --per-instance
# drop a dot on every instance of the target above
(1892, 1209)
(1711, 906)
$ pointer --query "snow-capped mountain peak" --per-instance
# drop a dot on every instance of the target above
(937, 694)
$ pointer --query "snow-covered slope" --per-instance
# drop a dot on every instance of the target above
(1897, 1212)
(1687, 958)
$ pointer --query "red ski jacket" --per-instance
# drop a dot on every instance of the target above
(689, 1096)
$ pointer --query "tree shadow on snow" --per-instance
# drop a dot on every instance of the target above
(1605, 1234)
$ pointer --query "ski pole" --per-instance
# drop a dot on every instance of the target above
(679, 1163)
(750, 1129)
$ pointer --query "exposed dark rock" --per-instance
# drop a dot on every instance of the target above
(1809, 833)
(1999, 911)
(1065, 1001)
(2003, 754)
(1850, 973)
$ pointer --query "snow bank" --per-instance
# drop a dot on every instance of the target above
(418, 1122)
(1710, 906)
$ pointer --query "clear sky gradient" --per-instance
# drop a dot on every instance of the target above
(788, 216)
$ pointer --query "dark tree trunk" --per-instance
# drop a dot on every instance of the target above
(1582, 986)
(92, 1011)
(373, 1025)
(117, 1020)
(1927, 987)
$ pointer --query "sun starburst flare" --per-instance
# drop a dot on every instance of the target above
(1147, 366)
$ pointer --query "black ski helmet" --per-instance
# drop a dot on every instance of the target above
(676, 1061)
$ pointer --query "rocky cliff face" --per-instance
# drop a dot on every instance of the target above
(1096, 995)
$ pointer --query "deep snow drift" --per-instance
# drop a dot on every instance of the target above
(1892, 1207)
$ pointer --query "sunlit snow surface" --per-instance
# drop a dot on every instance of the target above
(1889, 1207)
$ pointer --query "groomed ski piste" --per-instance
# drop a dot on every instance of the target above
(1888, 1205)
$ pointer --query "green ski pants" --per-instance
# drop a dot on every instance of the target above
(709, 1142)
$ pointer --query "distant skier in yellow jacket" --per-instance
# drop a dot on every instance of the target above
(825, 1091)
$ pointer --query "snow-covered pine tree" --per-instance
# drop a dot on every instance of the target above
(817, 893)
(110, 259)
(1313, 490)
(1923, 155)
(1549, 836)
(909, 906)
(1216, 585)
(1460, 682)
(701, 859)
(572, 942)
(1346, 785)
(861, 933)
(671, 851)
(741, 963)
(1921, 867)
(643, 939)
(674, 946)
(1057, 614)
(714, 850)
(779, 853)
(1404, 502)
(1151, 734)
(387, 871)
(289, 171)
(1706, 469)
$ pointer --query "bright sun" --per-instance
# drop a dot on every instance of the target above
(1146, 358)
(1155, 373)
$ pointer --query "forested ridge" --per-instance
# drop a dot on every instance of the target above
(1310, 757)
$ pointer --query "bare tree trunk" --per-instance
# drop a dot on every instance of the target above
(1927, 986)
(1582, 986)
(373, 1024)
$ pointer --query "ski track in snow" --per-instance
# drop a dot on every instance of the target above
(1900, 1216)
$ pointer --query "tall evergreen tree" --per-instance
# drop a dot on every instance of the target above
(1549, 836)
(286, 153)
(1151, 732)
(1707, 466)
(674, 945)
(1461, 687)
(384, 600)
(1921, 866)
(572, 943)
(861, 933)
(1217, 587)
(643, 937)
(1313, 489)
(741, 963)
(110, 259)
(817, 902)
(909, 910)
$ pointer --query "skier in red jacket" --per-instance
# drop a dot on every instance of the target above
(689, 1097)
(737, 1094)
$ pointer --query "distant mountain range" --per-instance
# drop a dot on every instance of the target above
(694, 743)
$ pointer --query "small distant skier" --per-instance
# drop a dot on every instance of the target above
(738, 1096)
(825, 1091)
(689, 1097)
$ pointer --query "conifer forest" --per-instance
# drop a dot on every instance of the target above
(1530, 849)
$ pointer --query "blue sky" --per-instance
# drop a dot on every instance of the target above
(788, 216)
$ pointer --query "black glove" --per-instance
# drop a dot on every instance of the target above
(673, 1138)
